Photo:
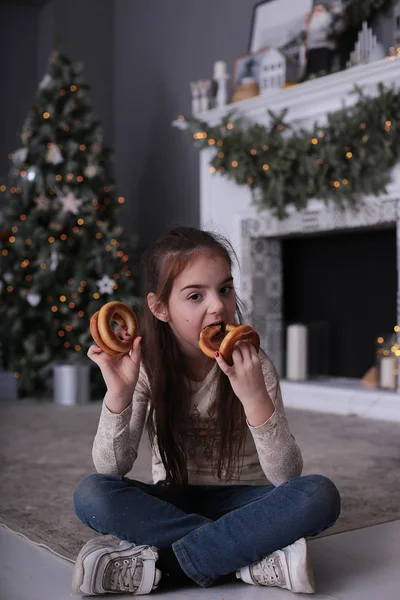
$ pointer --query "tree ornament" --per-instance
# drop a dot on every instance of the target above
(42, 202)
(56, 226)
(96, 148)
(70, 203)
(33, 299)
(105, 285)
(90, 171)
(53, 260)
(20, 156)
(54, 155)
(46, 81)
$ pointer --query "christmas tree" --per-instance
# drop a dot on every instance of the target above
(63, 255)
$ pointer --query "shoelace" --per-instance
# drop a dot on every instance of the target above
(122, 574)
(269, 572)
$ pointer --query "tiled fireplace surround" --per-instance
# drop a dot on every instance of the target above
(256, 236)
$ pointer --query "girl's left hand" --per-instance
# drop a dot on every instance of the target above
(246, 376)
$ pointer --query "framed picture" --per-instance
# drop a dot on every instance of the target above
(279, 24)
(247, 67)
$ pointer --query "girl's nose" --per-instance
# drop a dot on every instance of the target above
(216, 305)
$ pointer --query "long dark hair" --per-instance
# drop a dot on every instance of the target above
(166, 367)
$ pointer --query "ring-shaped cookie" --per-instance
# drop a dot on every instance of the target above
(234, 333)
(104, 335)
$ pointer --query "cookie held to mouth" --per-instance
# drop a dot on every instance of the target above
(223, 339)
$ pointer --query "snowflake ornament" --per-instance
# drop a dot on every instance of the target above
(105, 285)
(70, 203)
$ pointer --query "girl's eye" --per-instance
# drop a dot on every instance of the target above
(227, 288)
(194, 297)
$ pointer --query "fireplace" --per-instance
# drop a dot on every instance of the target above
(270, 259)
(327, 245)
(343, 287)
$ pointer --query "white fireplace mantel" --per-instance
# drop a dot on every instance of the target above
(228, 208)
(310, 100)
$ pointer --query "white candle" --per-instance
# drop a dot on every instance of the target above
(296, 352)
(219, 69)
(387, 377)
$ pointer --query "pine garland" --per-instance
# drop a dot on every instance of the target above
(351, 156)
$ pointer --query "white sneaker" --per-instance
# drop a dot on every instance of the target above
(288, 568)
(105, 565)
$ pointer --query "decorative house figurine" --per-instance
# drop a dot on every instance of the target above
(276, 68)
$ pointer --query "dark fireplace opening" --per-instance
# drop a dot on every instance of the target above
(343, 286)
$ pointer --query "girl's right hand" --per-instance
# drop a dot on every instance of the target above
(120, 373)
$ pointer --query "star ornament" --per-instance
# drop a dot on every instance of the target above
(105, 285)
(70, 203)
(42, 202)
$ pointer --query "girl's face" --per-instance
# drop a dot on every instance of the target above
(201, 295)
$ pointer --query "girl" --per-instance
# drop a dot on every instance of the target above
(228, 499)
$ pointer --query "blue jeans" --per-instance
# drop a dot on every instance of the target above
(213, 529)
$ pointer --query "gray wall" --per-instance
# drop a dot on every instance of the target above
(84, 29)
(18, 47)
(140, 56)
(159, 47)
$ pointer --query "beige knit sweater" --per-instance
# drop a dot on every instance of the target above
(271, 453)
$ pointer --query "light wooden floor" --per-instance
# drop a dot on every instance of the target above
(356, 565)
